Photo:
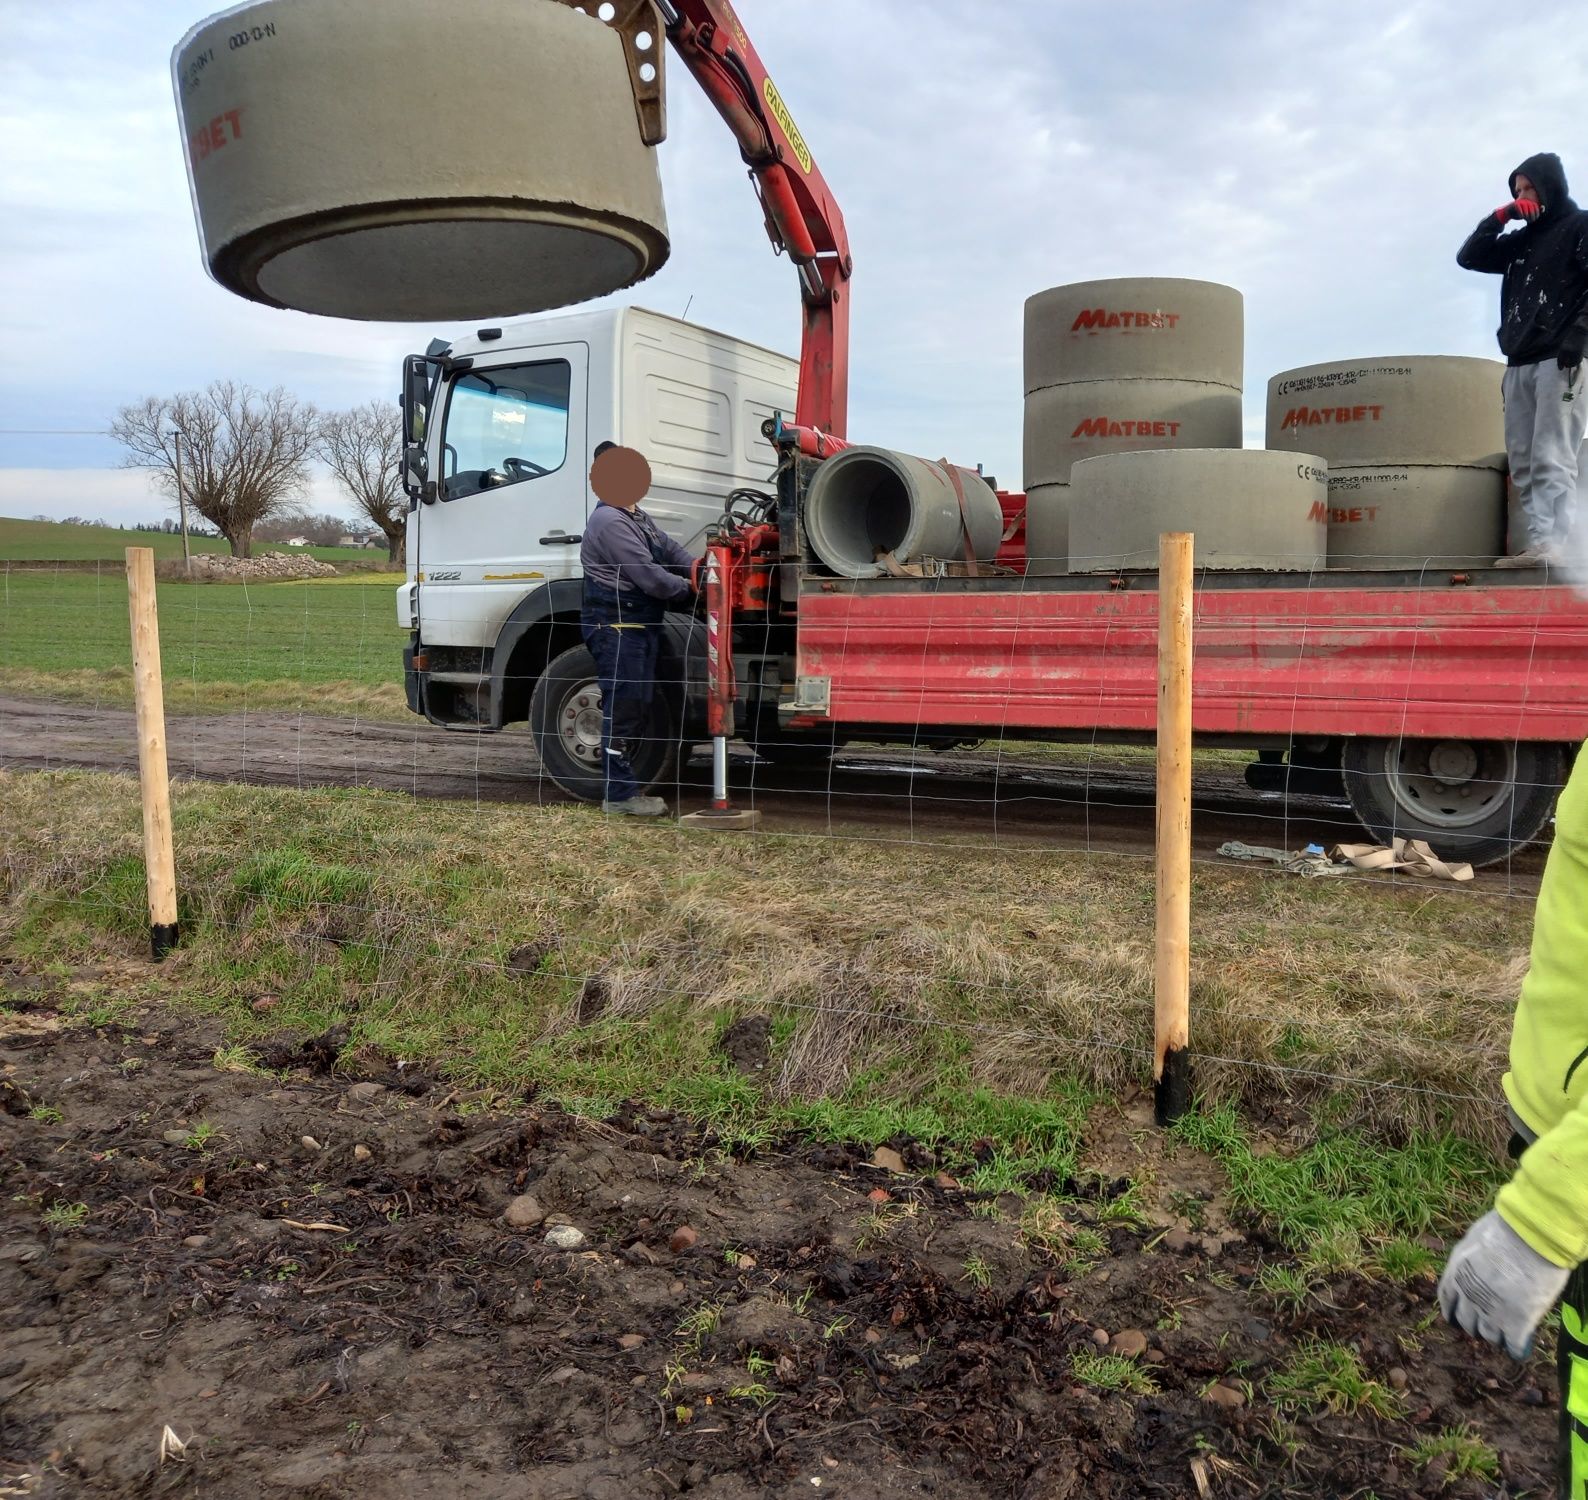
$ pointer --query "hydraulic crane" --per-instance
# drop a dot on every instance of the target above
(803, 219)
(804, 222)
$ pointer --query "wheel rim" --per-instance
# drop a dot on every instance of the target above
(579, 724)
(1450, 783)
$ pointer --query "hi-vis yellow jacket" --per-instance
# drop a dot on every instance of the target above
(1546, 1202)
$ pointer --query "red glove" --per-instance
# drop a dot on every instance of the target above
(1521, 208)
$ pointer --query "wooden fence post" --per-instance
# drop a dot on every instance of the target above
(1172, 978)
(159, 863)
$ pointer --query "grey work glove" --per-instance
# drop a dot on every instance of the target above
(1498, 1287)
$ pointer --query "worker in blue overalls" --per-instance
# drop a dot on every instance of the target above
(632, 571)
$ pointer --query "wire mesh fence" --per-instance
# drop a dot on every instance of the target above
(968, 868)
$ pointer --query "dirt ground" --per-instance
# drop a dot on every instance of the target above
(334, 1280)
(1104, 806)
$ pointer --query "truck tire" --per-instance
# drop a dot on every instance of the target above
(565, 720)
(1474, 800)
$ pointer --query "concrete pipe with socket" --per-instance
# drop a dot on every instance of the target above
(1416, 516)
(1247, 509)
(1135, 328)
(404, 161)
(1440, 409)
(867, 501)
(1047, 530)
(1067, 423)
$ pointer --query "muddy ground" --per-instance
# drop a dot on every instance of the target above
(1104, 806)
(333, 1279)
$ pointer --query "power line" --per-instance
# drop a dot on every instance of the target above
(54, 432)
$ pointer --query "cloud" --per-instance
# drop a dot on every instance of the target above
(1325, 161)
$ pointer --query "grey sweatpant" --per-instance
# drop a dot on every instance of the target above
(1546, 414)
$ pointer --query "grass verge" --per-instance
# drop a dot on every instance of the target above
(975, 1000)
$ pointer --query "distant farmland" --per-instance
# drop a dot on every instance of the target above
(54, 541)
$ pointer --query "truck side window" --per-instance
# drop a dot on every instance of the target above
(504, 426)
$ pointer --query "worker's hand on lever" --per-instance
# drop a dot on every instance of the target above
(1518, 208)
(1498, 1287)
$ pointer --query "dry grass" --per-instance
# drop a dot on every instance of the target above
(1012, 973)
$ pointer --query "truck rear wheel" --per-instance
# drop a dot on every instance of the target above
(1474, 800)
(565, 720)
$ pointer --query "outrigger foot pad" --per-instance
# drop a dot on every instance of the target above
(723, 819)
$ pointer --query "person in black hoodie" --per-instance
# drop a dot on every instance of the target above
(1543, 332)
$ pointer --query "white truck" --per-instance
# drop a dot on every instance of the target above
(509, 418)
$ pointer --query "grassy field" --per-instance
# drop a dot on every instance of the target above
(601, 961)
(32, 541)
(331, 645)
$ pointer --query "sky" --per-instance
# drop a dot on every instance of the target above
(1325, 158)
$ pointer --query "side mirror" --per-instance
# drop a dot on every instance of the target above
(415, 470)
(419, 381)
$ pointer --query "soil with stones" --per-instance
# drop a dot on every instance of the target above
(1104, 806)
(342, 1278)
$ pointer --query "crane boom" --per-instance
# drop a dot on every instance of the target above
(802, 216)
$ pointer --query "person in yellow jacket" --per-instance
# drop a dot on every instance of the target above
(1525, 1253)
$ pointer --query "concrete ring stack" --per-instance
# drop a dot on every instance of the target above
(1246, 508)
(389, 159)
(1416, 453)
(1137, 363)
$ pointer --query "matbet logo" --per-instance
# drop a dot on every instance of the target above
(1329, 416)
(1093, 319)
(1110, 427)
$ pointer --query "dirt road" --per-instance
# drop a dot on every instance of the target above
(869, 792)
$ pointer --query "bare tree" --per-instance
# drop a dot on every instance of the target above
(245, 453)
(361, 447)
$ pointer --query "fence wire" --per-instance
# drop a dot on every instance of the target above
(299, 685)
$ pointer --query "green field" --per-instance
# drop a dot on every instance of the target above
(50, 541)
(326, 644)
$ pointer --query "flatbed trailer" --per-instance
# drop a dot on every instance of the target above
(1448, 704)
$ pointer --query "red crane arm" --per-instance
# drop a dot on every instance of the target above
(802, 216)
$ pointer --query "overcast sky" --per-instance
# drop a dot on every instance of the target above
(1325, 158)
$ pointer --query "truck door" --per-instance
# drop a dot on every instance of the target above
(512, 491)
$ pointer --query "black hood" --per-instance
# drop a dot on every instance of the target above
(1545, 172)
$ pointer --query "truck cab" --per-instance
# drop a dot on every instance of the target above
(499, 431)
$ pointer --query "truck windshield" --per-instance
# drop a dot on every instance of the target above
(505, 425)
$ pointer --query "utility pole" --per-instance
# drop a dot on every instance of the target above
(181, 500)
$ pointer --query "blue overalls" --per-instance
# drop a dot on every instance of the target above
(623, 630)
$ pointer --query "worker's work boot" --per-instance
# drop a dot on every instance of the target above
(1528, 557)
(637, 807)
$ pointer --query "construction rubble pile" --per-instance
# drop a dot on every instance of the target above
(271, 567)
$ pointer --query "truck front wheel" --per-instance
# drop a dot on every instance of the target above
(1474, 800)
(565, 720)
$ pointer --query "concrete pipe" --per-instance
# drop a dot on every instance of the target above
(1067, 423)
(867, 501)
(1249, 509)
(1134, 328)
(1414, 517)
(389, 159)
(1047, 530)
(1419, 409)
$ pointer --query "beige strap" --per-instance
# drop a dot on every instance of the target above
(1411, 855)
(896, 569)
(952, 473)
